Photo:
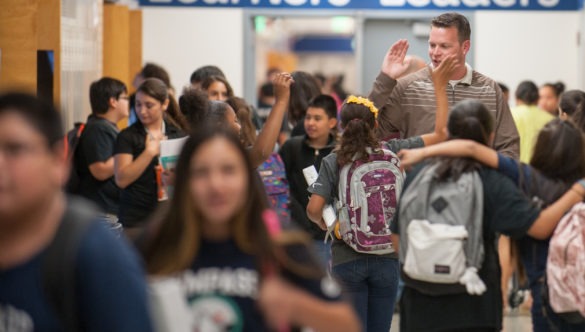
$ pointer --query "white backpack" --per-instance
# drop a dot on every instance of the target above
(441, 232)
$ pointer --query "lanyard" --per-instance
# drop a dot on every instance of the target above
(163, 129)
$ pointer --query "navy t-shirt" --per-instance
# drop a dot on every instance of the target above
(96, 144)
(111, 289)
(542, 191)
(222, 288)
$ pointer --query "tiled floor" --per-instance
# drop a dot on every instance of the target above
(520, 323)
(512, 323)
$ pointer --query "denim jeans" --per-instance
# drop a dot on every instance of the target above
(540, 321)
(400, 288)
(371, 284)
(323, 251)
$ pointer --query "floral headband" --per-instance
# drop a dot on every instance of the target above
(363, 101)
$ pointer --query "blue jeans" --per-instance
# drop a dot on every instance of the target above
(323, 251)
(371, 284)
(400, 288)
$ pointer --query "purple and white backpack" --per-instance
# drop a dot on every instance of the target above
(368, 199)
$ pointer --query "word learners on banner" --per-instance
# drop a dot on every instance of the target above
(379, 4)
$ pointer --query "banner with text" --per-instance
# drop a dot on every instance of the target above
(378, 4)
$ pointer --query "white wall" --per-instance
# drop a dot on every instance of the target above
(332, 64)
(510, 46)
(541, 46)
(183, 39)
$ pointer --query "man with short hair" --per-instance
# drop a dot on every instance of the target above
(407, 105)
(105, 289)
(94, 156)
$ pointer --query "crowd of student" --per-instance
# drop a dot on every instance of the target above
(215, 259)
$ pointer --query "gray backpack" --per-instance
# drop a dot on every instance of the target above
(441, 231)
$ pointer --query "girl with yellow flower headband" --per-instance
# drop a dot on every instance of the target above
(368, 266)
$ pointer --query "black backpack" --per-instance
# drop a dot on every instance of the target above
(58, 264)
(71, 143)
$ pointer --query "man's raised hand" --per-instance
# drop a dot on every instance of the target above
(395, 64)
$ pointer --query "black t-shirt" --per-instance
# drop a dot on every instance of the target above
(506, 211)
(297, 155)
(298, 129)
(96, 144)
(222, 288)
(139, 199)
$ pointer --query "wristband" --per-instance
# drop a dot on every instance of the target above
(582, 183)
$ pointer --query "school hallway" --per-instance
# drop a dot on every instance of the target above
(513, 322)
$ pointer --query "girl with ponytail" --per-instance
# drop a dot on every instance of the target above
(551, 181)
(522, 201)
(572, 106)
(136, 154)
(358, 121)
(371, 279)
(174, 115)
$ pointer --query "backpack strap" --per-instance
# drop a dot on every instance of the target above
(58, 266)
(412, 208)
(71, 140)
(78, 134)
(475, 254)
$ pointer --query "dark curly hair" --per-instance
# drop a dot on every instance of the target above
(244, 114)
(194, 106)
(304, 88)
(358, 136)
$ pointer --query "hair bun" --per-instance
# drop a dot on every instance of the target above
(560, 87)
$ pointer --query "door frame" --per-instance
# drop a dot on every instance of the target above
(360, 17)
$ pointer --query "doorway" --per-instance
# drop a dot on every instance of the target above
(370, 34)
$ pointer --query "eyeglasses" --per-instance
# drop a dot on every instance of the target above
(124, 97)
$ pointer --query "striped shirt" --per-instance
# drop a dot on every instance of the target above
(408, 106)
